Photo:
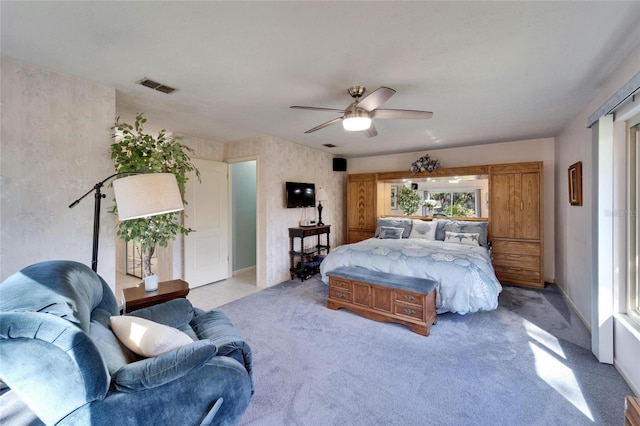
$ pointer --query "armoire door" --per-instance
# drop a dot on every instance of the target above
(527, 206)
(502, 195)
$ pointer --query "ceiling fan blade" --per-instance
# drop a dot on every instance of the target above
(371, 131)
(401, 113)
(317, 108)
(376, 98)
(323, 125)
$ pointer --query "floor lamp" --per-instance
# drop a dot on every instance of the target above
(137, 195)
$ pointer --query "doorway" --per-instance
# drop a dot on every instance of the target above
(243, 190)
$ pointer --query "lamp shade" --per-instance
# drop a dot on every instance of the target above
(147, 195)
(321, 195)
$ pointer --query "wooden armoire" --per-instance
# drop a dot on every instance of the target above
(516, 220)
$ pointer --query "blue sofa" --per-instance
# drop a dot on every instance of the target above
(60, 356)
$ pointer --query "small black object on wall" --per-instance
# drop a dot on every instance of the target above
(339, 164)
(414, 186)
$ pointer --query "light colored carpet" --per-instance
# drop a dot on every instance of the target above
(525, 363)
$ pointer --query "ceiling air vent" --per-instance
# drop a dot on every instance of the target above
(329, 145)
(156, 86)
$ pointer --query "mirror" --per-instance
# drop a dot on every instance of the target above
(457, 196)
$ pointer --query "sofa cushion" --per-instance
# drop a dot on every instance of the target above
(147, 338)
(151, 372)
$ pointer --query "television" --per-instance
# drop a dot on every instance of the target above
(300, 194)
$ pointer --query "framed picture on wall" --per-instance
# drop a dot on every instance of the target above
(394, 197)
(575, 184)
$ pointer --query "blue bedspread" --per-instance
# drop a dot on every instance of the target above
(465, 276)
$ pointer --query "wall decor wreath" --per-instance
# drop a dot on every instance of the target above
(425, 164)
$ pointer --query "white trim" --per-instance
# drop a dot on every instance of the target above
(602, 289)
(575, 308)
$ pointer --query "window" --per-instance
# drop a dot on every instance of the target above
(454, 203)
(633, 222)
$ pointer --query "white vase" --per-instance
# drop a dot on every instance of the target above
(151, 283)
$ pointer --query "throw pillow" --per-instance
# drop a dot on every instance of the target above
(440, 223)
(424, 230)
(396, 222)
(469, 227)
(147, 338)
(390, 233)
(466, 238)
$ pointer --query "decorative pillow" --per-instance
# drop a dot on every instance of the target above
(147, 338)
(469, 227)
(440, 223)
(395, 222)
(424, 230)
(469, 239)
(390, 233)
(151, 372)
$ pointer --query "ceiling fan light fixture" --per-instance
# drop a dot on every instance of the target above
(356, 124)
(356, 119)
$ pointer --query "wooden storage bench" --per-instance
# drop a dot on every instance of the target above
(384, 297)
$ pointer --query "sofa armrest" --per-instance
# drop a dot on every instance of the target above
(50, 363)
(159, 370)
(216, 327)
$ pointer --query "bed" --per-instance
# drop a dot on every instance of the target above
(445, 251)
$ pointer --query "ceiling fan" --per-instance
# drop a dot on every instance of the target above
(357, 116)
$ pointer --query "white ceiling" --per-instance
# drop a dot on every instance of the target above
(490, 71)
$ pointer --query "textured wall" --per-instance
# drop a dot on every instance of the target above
(280, 161)
(55, 147)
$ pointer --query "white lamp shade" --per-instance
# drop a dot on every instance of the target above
(321, 195)
(147, 195)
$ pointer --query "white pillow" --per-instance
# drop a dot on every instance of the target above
(424, 230)
(466, 238)
(147, 338)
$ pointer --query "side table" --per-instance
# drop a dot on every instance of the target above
(137, 298)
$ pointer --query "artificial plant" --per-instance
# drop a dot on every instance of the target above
(136, 151)
(408, 200)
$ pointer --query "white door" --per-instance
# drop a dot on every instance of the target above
(206, 250)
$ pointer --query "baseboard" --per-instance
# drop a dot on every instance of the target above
(627, 378)
(574, 307)
(243, 270)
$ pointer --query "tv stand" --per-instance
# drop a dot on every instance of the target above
(306, 262)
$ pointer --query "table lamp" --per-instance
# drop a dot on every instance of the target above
(321, 196)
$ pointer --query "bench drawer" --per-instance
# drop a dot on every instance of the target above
(339, 294)
(338, 282)
(409, 298)
(411, 311)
